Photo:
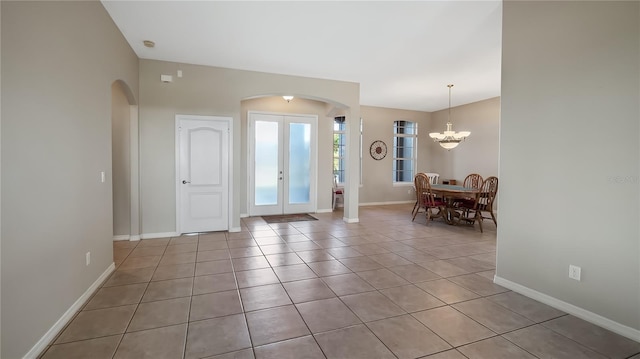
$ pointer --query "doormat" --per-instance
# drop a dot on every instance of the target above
(296, 217)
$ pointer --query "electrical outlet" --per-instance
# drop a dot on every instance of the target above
(574, 272)
(88, 258)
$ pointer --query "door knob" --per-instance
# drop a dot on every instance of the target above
(185, 182)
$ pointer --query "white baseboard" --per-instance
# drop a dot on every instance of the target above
(159, 235)
(244, 215)
(121, 237)
(625, 331)
(235, 229)
(41, 345)
(351, 220)
(134, 238)
(328, 210)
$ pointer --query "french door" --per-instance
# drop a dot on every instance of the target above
(282, 163)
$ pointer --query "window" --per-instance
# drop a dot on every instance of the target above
(339, 142)
(405, 139)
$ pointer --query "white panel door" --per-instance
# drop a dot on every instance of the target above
(283, 163)
(203, 174)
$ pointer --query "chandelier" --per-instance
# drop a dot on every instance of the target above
(449, 139)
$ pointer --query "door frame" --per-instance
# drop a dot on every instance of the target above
(250, 156)
(229, 121)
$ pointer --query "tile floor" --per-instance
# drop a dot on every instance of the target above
(381, 288)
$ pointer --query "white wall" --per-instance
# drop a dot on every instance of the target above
(59, 60)
(570, 156)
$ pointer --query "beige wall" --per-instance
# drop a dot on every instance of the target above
(59, 60)
(212, 91)
(479, 152)
(121, 164)
(570, 156)
(377, 175)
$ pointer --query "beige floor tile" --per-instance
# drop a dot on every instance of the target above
(147, 251)
(406, 337)
(275, 248)
(414, 273)
(214, 305)
(256, 277)
(470, 264)
(242, 243)
(174, 271)
(214, 267)
(245, 252)
(449, 354)
(416, 256)
(214, 283)
(130, 276)
(371, 306)
(304, 246)
(308, 290)
(217, 336)
(181, 248)
(283, 259)
(545, 343)
(210, 245)
(356, 342)
(594, 337)
(493, 316)
(304, 347)
(478, 284)
(160, 314)
(99, 348)
(97, 323)
(114, 296)
(453, 326)
(154, 242)
(411, 298)
(266, 296)
(212, 255)
(343, 252)
(294, 272)
(241, 354)
(370, 249)
(447, 291)
(526, 307)
(444, 268)
(350, 283)
(275, 324)
(328, 268)
(267, 241)
(167, 289)
(382, 278)
(494, 348)
(390, 259)
(140, 262)
(316, 255)
(327, 314)
(177, 258)
(248, 263)
(159, 343)
(359, 264)
(183, 240)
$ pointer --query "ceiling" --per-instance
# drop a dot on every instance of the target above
(403, 53)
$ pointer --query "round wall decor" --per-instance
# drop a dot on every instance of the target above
(378, 150)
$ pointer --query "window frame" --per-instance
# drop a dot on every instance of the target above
(399, 149)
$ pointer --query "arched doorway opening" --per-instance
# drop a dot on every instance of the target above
(125, 175)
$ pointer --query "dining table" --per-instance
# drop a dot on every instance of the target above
(449, 194)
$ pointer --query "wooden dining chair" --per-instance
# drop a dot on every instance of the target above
(472, 180)
(472, 211)
(425, 198)
(488, 194)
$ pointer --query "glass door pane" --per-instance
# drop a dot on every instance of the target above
(266, 163)
(299, 166)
